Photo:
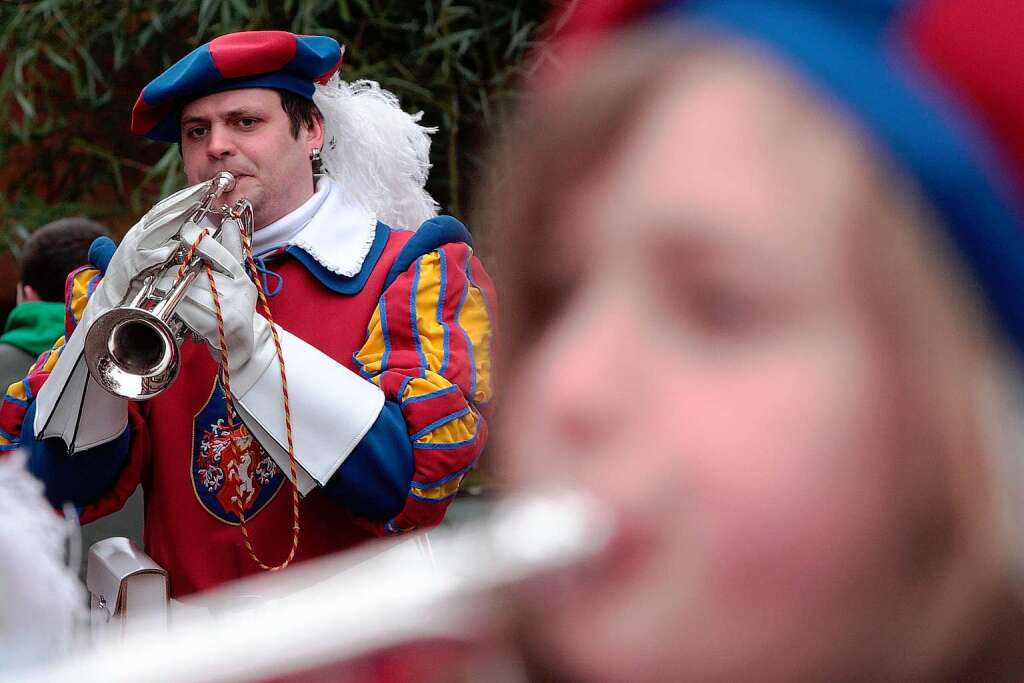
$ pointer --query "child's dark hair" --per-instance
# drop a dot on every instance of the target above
(53, 251)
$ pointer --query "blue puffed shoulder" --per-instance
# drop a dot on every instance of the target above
(432, 234)
(101, 251)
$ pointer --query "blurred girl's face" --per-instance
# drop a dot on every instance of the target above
(710, 370)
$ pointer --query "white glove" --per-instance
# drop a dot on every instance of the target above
(332, 407)
(244, 330)
(149, 243)
(71, 405)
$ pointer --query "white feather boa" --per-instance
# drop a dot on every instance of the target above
(376, 151)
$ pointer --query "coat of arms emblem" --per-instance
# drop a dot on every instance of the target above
(229, 467)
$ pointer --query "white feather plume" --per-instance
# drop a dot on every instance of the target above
(377, 152)
(41, 599)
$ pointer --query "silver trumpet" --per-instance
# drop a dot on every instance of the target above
(133, 351)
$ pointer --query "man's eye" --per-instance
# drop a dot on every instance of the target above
(246, 123)
(196, 133)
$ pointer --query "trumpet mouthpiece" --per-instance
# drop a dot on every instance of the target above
(223, 182)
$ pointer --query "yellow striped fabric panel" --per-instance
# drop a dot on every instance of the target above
(371, 355)
(428, 296)
(80, 292)
(475, 319)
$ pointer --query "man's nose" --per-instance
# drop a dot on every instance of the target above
(219, 142)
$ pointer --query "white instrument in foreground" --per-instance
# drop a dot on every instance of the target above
(353, 604)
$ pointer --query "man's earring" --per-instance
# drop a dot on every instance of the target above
(318, 163)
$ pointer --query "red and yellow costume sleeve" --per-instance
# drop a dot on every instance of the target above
(430, 347)
(79, 287)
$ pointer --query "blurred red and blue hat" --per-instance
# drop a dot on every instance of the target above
(249, 59)
(938, 86)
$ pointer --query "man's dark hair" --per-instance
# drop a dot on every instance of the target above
(53, 251)
(300, 111)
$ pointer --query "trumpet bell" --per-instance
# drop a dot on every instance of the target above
(132, 353)
(133, 350)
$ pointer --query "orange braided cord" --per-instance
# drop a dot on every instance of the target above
(189, 254)
(229, 406)
(293, 467)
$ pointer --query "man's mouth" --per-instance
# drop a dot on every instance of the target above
(237, 174)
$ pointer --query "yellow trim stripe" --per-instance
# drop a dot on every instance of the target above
(474, 319)
(17, 391)
(454, 431)
(428, 298)
(372, 353)
(440, 491)
(51, 361)
(421, 386)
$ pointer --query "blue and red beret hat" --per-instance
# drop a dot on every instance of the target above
(249, 59)
(937, 85)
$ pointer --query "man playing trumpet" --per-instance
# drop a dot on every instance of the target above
(384, 333)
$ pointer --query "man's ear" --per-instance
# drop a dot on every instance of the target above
(315, 134)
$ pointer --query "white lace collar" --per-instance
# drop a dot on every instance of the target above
(330, 226)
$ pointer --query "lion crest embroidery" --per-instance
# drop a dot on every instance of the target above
(229, 467)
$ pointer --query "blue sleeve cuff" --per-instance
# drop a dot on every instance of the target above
(374, 480)
(80, 479)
